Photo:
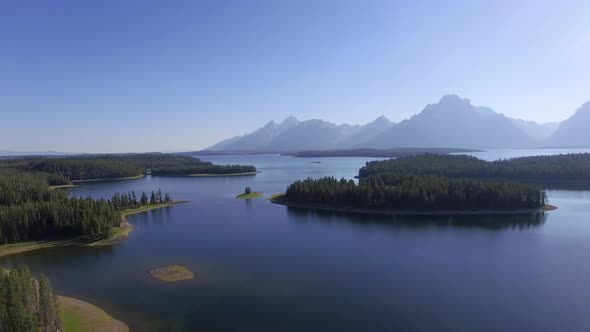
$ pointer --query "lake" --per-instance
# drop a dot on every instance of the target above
(264, 267)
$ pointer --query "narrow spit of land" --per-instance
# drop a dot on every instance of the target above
(120, 234)
(252, 195)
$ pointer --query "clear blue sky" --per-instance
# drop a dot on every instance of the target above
(116, 76)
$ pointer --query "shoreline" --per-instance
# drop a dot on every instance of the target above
(120, 234)
(110, 179)
(73, 183)
(223, 175)
(77, 316)
(62, 186)
(280, 199)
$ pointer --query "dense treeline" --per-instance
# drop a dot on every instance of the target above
(62, 170)
(417, 193)
(27, 305)
(75, 168)
(129, 200)
(565, 167)
(58, 217)
(29, 210)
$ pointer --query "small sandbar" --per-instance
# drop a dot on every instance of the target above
(172, 273)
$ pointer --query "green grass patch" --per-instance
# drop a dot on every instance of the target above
(252, 195)
(172, 273)
(280, 197)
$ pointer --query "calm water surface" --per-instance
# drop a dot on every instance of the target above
(262, 267)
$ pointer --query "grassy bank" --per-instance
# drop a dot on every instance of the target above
(252, 195)
(17, 248)
(80, 316)
(129, 212)
(281, 199)
(119, 234)
(223, 175)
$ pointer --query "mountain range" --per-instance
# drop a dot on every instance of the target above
(453, 122)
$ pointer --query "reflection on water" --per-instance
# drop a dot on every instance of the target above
(492, 222)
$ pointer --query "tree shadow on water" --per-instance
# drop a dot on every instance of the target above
(489, 222)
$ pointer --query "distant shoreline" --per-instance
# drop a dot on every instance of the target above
(280, 199)
(222, 175)
(376, 153)
(363, 152)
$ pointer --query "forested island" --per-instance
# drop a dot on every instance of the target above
(64, 170)
(441, 184)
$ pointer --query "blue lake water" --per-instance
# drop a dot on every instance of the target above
(263, 267)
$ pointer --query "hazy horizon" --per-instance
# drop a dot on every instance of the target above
(136, 77)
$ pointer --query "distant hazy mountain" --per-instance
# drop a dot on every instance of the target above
(453, 122)
(367, 132)
(538, 132)
(259, 139)
(313, 134)
(11, 153)
(573, 132)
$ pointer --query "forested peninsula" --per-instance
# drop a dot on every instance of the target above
(30, 211)
(441, 184)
